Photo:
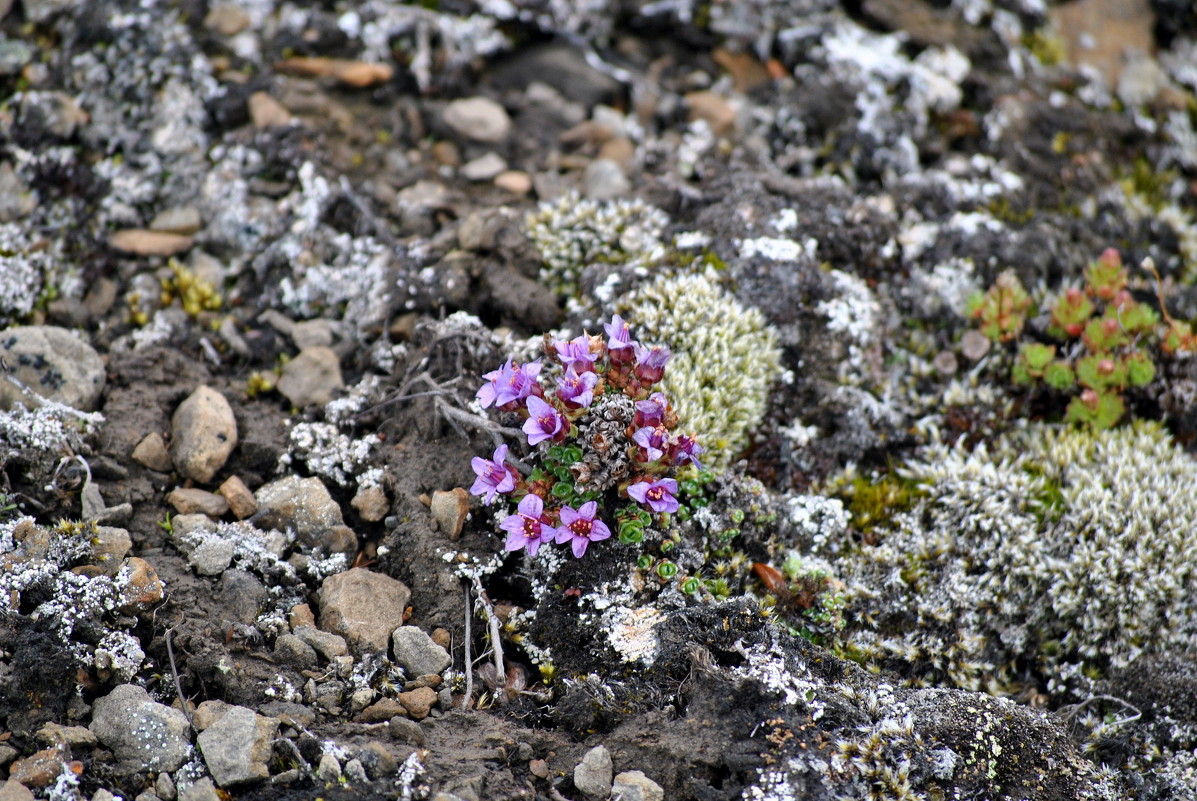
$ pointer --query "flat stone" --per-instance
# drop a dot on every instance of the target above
(109, 547)
(241, 500)
(291, 650)
(353, 73)
(212, 556)
(382, 710)
(417, 654)
(633, 785)
(201, 790)
(17, 200)
(53, 363)
(714, 108)
(593, 775)
(418, 703)
(377, 759)
(605, 180)
(184, 220)
(301, 616)
(478, 118)
(144, 242)
(208, 712)
(151, 453)
(164, 787)
(266, 112)
(449, 509)
(13, 790)
(318, 333)
(364, 607)
(226, 20)
(142, 734)
(371, 503)
(143, 588)
(327, 644)
(74, 736)
(203, 434)
(312, 377)
(39, 769)
(484, 168)
(406, 731)
(191, 501)
(50, 113)
(517, 182)
(236, 748)
(329, 769)
(305, 506)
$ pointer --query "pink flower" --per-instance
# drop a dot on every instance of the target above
(651, 412)
(619, 341)
(651, 440)
(576, 390)
(580, 528)
(544, 422)
(509, 384)
(650, 365)
(686, 449)
(493, 475)
(576, 353)
(656, 495)
(528, 528)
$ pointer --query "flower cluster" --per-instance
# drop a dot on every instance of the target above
(603, 434)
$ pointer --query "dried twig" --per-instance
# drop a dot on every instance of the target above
(174, 672)
(469, 667)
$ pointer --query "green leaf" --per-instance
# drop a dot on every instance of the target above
(1139, 369)
(1059, 375)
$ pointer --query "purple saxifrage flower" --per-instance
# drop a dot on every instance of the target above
(656, 495)
(576, 353)
(493, 475)
(509, 384)
(576, 390)
(651, 362)
(651, 440)
(528, 528)
(651, 412)
(580, 528)
(544, 422)
(619, 340)
(686, 450)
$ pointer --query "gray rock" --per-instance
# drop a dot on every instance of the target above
(53, 363)
(13, 790)
(50, 114)
(417, 654)
(177, 220)
(203, 434)
(318, 333)
(164, 787)
(327, 644)
(41, 10)
(406, 731)
(560, 65)
(483, 168)
(16, 199)
(605, 180)
(312, 377)
(364, 607)
(151, 453)
(291, 650)
(593, 774)
(329, 769)
(478, 118)
(242, 595)
(355, 772)
(192, 500)
(211, 557)
(304, 506)
(632, 785)
(142, 734)
(109, 547)
(236, 747)
(201, 790)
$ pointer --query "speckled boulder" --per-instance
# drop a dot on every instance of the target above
(52, 362)
(143, 735)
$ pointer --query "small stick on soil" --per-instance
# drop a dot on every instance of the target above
(174, 672)
(469, 667)
(493, 620)
(381, 230)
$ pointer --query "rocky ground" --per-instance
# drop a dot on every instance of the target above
(256, 259)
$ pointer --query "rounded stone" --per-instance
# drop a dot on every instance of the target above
(417, 654)
(364, 607)
(605, 180)
(54, 364)
(593, 775)
(203, 435)
(304, 506)
(142, 734)
(478, 118)
(311, 377)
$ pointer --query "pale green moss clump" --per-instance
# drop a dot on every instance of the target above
(1065, 552)
(571, 233)
(725, 358)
